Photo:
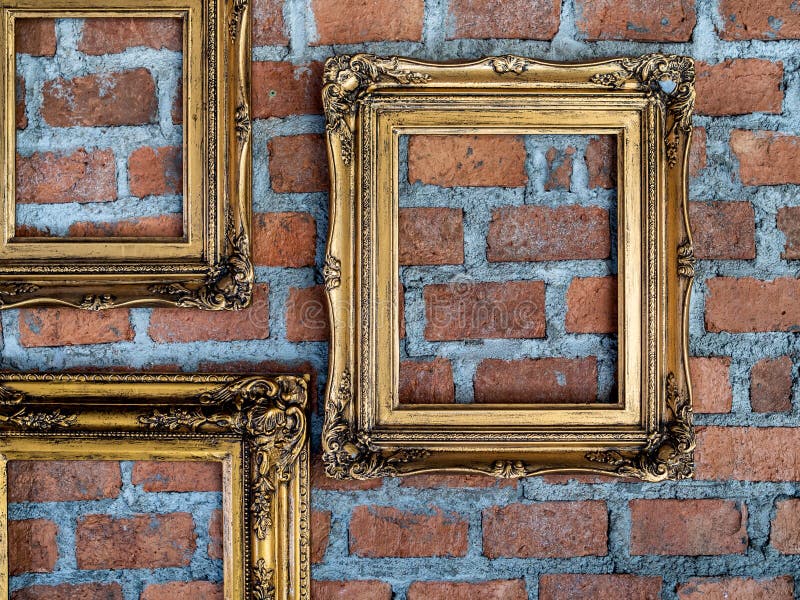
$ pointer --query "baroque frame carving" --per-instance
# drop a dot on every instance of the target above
(647, 102)
(210, 267)
(255, 425)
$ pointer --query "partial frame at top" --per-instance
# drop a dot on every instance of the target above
(210, 266)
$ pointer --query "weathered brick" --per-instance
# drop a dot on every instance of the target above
(711, 384)
(216, 548)
(320, 481)
(307, 315)
(511, 589)
(601, 162)
(770, 305)
(431, 236)
(592, 305)
(748, 453)
(320, 532)
(723, 230)
(269, 28)
(36, 36)
(383, 531)
(176, 325)
(281, 89)
(789, 224)
(157, 226)
(639, 20)
(32, 546)
(62, 480)
(757, 83)
(68, 591)
(80, 176)
(559, 169)
(749, 20)
(736, 588)
(546, 530)
(430, 481)
(116, 34)
(426, 382)
(298, 163)
(351, 590)
(467, 160)
(538, 233)
(771, 385)
(697, 151)
(784, 530)
(456, 311)
(40, 327)
(355, 21)
(766, 157)
(148, 541)
(522, 19)
(537, 380)
(156, 171)
(107, 99)
(183, 476)
(688, 527)
(568, 586)
(183, 590)
(284, 239)
(20, 116)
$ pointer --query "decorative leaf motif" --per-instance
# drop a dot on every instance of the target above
(97, 301)
(15, 289)
(39, 421)
(237, 10)
(263, 581)
(686, 259)
(243, 123)
(510, 64)
(332, 272)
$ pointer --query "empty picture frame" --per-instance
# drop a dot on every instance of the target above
(207, 265)
(370, 103)
(255, 426)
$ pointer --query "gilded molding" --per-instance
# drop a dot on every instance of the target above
(11, 290)
(237, 12)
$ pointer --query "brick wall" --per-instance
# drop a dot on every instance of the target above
(733, 531)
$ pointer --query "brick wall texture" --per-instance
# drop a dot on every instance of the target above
(493, 219)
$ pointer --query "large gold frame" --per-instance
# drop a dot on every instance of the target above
(210, 267)
(256, 426)
(647, 103)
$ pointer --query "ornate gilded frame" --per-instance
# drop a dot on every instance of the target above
(646, 102)
(210, 267)
(255, 425)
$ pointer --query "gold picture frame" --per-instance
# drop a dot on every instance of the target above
(646, 102)
(255, 425)
(210, 266)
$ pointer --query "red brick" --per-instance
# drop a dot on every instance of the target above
(467, 160)
(748, 453)
(62, 480)
(298, 163)
(156, 171)
(175, 325)
(354, 21)
(569, 586)
(177, 105)
(785, 528)
(522, 19)
(749, 305)
(638, 20)
(430, 481)
(546, 530)
(351, 590)
(19, 96)
(66, 591)
(32, 546)
(320, 532)
(426, 382)
(158, 226)
(697, 151)
(116, 34)
(513, 589)
(216, 549)
(456, 311)
(284, 239)
(711, 385)
(736, 588)
(757, 83)
(107, 99)
(771, 385)
(559, 169)
(688, 527)
(36, 37)
(601, 162)
(140, 542)
(183, 590)
(320, 481)
(789, 224)
(281, 89)
(51, 177)
(40, 327)
(537, 381)
(183, 476)
(269, 28)
(307, 315)
(592, 305)
(538, 233)
(431, 236)
(766, 157)
(749, 20)
(723, 230)
(383, 531)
